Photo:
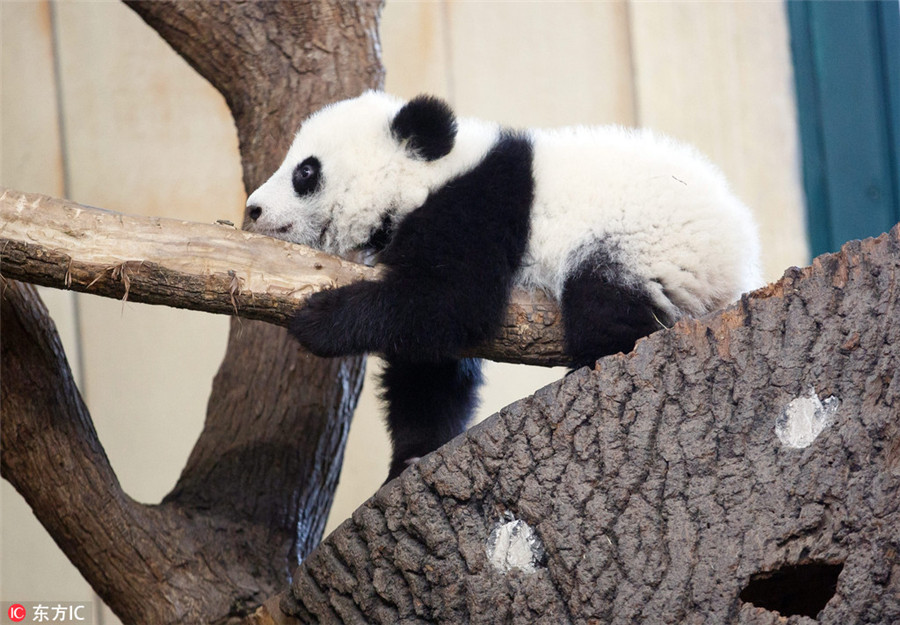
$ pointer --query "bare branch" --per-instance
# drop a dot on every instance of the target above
(211, 267)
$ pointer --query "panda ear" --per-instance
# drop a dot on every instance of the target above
(427, 125)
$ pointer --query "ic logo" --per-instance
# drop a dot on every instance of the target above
(16, 612)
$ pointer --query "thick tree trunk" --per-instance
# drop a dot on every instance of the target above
(151, 564)
(741, 468)
(256, 491)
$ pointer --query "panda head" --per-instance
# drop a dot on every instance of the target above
(355, 168)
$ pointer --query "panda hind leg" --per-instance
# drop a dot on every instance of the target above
(428, 405)
(602, 316)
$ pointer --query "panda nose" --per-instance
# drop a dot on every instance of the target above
(253, 212)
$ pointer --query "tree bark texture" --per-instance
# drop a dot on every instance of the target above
(213, 268)
(253, 498)
(740, 468)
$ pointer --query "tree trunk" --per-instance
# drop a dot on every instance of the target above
(741, 468)
(256, 491)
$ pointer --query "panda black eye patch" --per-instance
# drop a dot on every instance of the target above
(306, 176)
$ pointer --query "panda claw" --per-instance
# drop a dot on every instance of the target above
(315, 328)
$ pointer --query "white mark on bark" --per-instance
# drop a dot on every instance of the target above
(513, 544)
(804, 418)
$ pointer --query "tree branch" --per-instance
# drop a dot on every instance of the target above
(214, 268)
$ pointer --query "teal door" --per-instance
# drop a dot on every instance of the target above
(847, 74)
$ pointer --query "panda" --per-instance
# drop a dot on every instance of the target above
(627, 230)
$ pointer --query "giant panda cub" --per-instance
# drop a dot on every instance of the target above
(627, 230)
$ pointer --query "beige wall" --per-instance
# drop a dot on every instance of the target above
(126, 124)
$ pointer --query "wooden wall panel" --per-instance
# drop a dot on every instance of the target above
(30, 155)
(541, 64)
(719, 76)
(145, 133)
(142, 133)
(415, 49)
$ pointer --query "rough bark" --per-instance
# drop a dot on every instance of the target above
(256, 491)
(213, 268)
(662, 486)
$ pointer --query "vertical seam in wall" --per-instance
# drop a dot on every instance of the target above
(66, 178)
(60, 103)
(67, 190)
(632, 65)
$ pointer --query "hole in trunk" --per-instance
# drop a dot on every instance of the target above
(801, 590)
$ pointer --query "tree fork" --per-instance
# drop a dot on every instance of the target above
(124, 549)
(277, 418)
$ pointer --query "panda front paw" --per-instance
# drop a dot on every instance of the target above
(321, 327)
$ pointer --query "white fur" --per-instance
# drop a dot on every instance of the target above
(662, 210)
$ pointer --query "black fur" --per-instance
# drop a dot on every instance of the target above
(379, 239)
(428, 404)
(601, 314)
(428, 125)
(449, 269)
(307, 176)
